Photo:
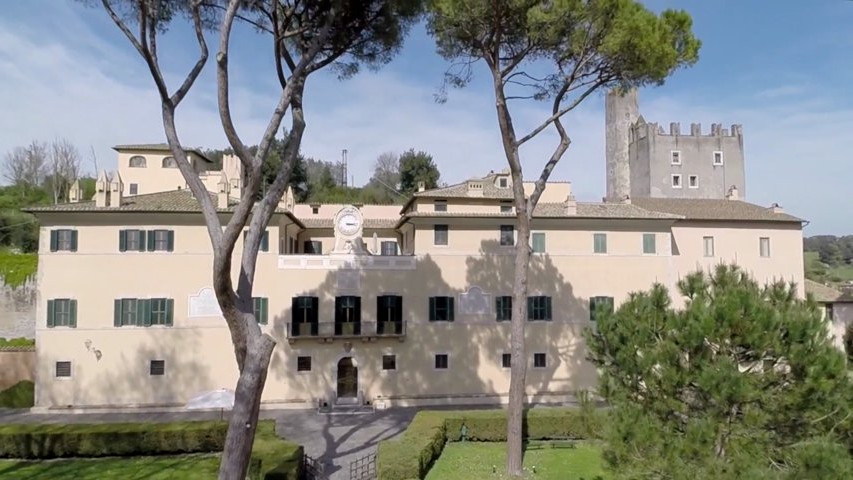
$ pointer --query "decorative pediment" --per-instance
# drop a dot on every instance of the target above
(475, 302)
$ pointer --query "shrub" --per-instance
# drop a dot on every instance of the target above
(19, 395)
(17, 342)
(410, 457)
(32, 441)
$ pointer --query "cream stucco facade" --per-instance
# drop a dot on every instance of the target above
(448, 244)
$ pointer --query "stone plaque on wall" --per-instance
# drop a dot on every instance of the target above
(204, 304)
(475, 302)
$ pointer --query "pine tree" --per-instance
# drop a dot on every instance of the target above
(733, 385)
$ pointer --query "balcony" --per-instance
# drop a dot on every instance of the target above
(329, 331)
(345, 261)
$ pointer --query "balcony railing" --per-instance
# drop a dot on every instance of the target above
(326, 330)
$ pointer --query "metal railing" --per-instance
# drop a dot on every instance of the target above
(363, 468)
(346, 329)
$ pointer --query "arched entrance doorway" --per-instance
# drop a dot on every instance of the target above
(347, 378)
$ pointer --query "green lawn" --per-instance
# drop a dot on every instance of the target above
(19, 395)
(184, 467)
(467, 460)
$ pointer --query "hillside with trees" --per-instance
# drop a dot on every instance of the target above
(829, 259)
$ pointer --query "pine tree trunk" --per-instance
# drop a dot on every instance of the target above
(244, 416)
(518, 366)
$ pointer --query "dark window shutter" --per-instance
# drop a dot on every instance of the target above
(357, 309)
(432, 309)
(150, 242)
(398, 311)
(170, 312)
(339, 314)
(294, 310)
(117, 312)
(548, 309)
(122, 240)
(142, 238)
(171, 241)
(381, 309)
(51, 313)
(264, 310)
(72, 313)
(315, 309)
(54, 240)
(73, 240)
(143, 312)
(265, 242)
(450, 309)
(530, 309)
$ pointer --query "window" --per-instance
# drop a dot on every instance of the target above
(143, 312)
(304, 315)
(503, 308)
(389, 362)
(708, 246)
(260, 308)
(676, 180)
(315, 210)
(538, 242)
(63, 369)
(830, 312)
(131, 240)
(63, 240)
(157, 368)
(506, 360)
(265, 240)
(506, 206)
(347, 315)
(313, 247)
(62, 312)
(599, 243)
(675, 157)
(503, 182)
(389, 314)
(170, 162)
(442, 361)
(303, 364)
(389, 248)
(718, 158)
(134, 188)
(693, 181)
(599, 306)
(764, 246)
(440, 205)
(137, 161)
(649, 246)
(539, 308)
(539, 360)
(440, 309)
(440, 235)
(160, 240)
(507, 235)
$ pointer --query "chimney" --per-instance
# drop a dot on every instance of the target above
(421, 186)
(116, 187)
(475, 188)
(571, 205)
(76, 193)
(621, 112)
(102, 190)
(286, 202)
(222, 192)
(776, 208)
(733, 193)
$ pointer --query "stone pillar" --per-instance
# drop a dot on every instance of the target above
(621, 112)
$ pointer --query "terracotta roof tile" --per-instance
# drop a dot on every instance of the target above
(157, 147)
(712, 209)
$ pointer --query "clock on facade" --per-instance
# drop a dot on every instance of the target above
(349, 223)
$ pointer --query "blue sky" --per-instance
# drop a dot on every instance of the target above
(783, 71)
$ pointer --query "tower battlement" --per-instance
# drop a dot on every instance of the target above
(652, 128)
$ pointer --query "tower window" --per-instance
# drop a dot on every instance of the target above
(676, 180)
(693, 181)
(675, 157)
(718, 158)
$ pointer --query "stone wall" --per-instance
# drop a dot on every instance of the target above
(16, 364)
(18, 309)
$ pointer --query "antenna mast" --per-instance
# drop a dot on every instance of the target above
(344, 167)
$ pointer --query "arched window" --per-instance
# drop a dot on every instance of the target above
(170, 162)
(137, 161)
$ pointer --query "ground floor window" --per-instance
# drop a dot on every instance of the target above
(389, 362)
(506, 360)
(539, 360)
(303, 364)
(442, 361)
(157, 367)
(63, 369)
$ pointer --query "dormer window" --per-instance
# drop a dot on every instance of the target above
(137, 161)
(503, 182)
(170, 162)
(440, 205)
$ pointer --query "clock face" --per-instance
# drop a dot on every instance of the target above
(349, 223)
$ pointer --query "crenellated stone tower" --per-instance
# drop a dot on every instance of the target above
(643, 160)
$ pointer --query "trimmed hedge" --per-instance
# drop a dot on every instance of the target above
(19, 395)
(37, 441)
(410, 456)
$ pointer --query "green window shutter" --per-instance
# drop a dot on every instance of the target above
(264, 310)
(432, 309)
(54, 240)
(530, 303)
(548, 315)
(143, 312)
(498, 308)
(72, 315)
(150, 242)
(51, 313)
(265, 242)
(117, 312)
(451, 311)
(171, 241)
(170, 312)
(122, 240)
(142, 238)
(73, 240)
